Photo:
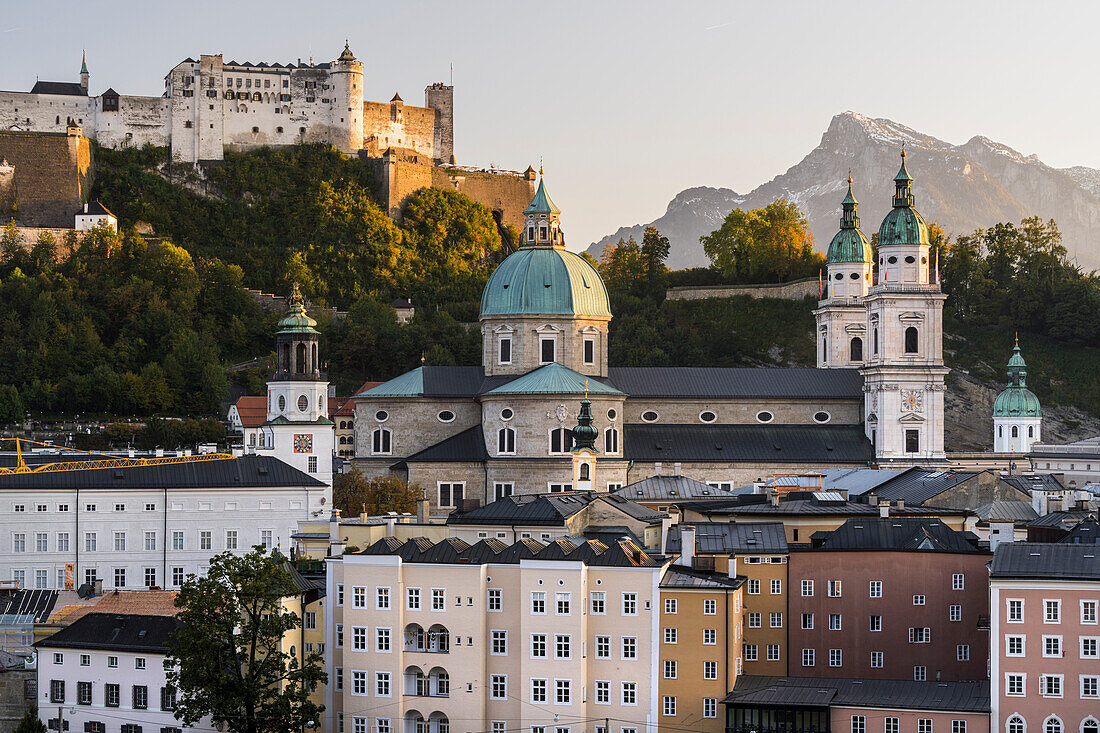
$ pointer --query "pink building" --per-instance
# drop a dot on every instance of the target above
(1045, 639)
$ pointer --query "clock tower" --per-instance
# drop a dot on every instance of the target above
(298, 430)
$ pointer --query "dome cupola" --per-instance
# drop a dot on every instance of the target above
(849, 244)
(1016, 400)
(904, 224)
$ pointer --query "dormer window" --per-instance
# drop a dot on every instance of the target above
(531, 233)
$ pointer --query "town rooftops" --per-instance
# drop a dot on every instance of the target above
(918, 485)
(671, 488)
(892, 533)
(67, 88)
(620, 553)
(549, 509)
(800, 503)
(1061, 520)
(747, 443)
(1085, 533)
(683, 578)
(811, 692)
(731, 538)
(1034, 482)
(1016, 511)
(121, 632)
(1043, 561)
(857, 481)
(27, 605)
(250, 471)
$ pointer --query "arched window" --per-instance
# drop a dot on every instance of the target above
(300, 358)
(506, 440)
(874, 341)
(585, 473)
(313, 359)
(1031, 431)
(911, 340)
(1015, 432)
(380, 441)
(284, 359)
(252, 439)
(824, 347)
(1053, 724)
(855, 349)
(1090, 725)
(561, 440)
(1000, 431)
(1015, 724)
(611, 440)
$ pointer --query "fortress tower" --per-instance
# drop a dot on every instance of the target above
(347, 113)
(841, 314)
(440, 97)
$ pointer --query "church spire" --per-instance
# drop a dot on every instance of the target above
(849, 219)
(84, 71)
(903, 193)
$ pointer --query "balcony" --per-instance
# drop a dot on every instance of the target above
(436, 640)
(436, 683)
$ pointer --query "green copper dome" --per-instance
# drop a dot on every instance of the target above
(585, 433)
(904, 224)
(849, 244)
(296, 319)
(542, 203)
(545, 280)
(1017, 400)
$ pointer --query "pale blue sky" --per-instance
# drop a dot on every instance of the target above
(629, 102)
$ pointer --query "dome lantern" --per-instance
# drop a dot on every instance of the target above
(849, 244)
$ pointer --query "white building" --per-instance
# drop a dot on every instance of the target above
(93, 214)
(106, 671)
(1017, 414)
(141, 526)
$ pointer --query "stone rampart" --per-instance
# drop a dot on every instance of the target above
(505, 191)
(794, 290)
(53, 175)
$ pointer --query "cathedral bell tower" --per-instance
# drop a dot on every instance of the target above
(903, 369)
(584, 449)
(298, 430)
(841, 316)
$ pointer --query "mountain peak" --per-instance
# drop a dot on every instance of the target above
(878, 130)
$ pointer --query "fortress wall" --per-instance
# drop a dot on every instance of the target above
(42, 112)
(389, 125)
(507, 193)
(53, 174)
(794, 290)
(138, 121)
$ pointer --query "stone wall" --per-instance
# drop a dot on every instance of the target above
(743, 412)
(53, 175)
(28, 237)
(398, 125)
(794, 290)
(506, 192)
(13, 700)
(413, 422)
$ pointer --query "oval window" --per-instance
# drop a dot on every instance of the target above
(840, 276)
(707, 416)
(910, 260)
(892, 260)
(764, 416)
(445, 416)
(611, 414)
(855, 275)
(303, 403)
(822, 416)
(506, 414)
(650, 416)
(381, 416)
(282, 403)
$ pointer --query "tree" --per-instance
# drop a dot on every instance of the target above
(353, 494)
(772, 244)
(227, 657)
(654, 251)
(30, 722)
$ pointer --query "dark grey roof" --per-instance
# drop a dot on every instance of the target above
(1016, 511)
(70, 88)
(968, 697)
(914, 535)
(115, 632)
(1085, 533)
(678, 576)
(857, 481)
(1037, 481)
(98, 209)
(251, 471)
(36, 604)
(1045, 560)
(918, 485)
(755, 504)
(453, 551)
(673, 488)
(820, 444)
(728, 538)
(550, 510)
(1061, 520)
(401, 303)
(730, 383)
(467, 446)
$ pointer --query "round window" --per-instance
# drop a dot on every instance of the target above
(892, 260)
(822, 416)
(840, 276)
(282, 403)
(381, 416)
(650, 416)
(764, 416)
(855, 275)
(707, 416)
(910, 260)
(445, 416)
(611, 414)
(303, 403)
(507, 414)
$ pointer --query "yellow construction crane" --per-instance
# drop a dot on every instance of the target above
(108, 461)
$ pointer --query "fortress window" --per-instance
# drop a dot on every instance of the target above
(59, 119)
(188, 92)
(855, 349)
(278, 129)
(267, 83)
(547, 348)
(911, 340)
(912, 441)
(286, 83)
(187, 124)
(255, 130)
(301, 131)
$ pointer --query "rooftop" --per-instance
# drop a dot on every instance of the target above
(1043, 561)
(747, 443)
(549, 509)
(968, 697)
(620, 553)
(67, 88)
(892, 533)
(918, 485)
(757, 504)
(673, 488)
(1016, 511)
(728, 538)
(115, 632)
(736, 382)
(678, 576)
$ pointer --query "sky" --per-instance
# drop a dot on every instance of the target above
(627, 103)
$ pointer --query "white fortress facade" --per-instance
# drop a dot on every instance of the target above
(210, 105)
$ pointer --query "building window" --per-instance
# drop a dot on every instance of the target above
(834, 589)
(450, 494)
(876, 589)
(924, 725)
(754, 619)
(710, 707)
(911, 340)
(670, 635)
(920, 635)
(807, 657)
(807, 620)
(668, 706)
(776, 620)
(1015, 610)
(773, 652)
(912, 441)
(610, 440)
(836, 658)
(1014, 684)
(506, 441)
(498, 687)
(876, 660)
(918, 600)
(547, 350)
(807, 587)
(962, 653)
(630, 647)
(561, 440)
(890, 725)
(1052, 612)
(859, 724)
(777, 587)
(670, 669)
(1016, 724)
(920, 673)
(141, 697)
(563, 646)
(958, 581)
(1052, 725)
(955, 612)
(855, 349)
(710, 607)
(710, 637)
(589, 351)
(563, 692)
(834, 622)
(876, 623)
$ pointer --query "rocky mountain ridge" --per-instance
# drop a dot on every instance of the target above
(961, 187)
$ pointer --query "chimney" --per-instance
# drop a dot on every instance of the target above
(422, 511)
(666, 523)
(687, 546)
(335, 544)
(391, 522)
(758, 486)
(773, 496)
(872, 499)
(676, 469)
(657, 468)
(884, 508)
(85, 208)
(97, 586)
(731, 569)
(1038, 502)
(901, 504)
(1001, 531)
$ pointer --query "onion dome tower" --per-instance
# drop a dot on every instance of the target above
(584, 449)
(841, 317)
(1017, 414)
(903, 369)
(544, 304)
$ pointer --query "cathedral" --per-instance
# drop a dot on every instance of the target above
(510, 426)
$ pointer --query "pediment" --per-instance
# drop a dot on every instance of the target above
(910, 316)
(857, 328)
(911, 417)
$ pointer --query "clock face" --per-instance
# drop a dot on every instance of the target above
(911, 400)
(303, 443)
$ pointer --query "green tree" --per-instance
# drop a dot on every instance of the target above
(11, 404)
(654, 252)
(227, 657)
(772, 244)
(353, 494)
(30, 723)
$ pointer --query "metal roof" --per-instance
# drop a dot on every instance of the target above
(27, 605)
(1034, 482)
(549, 509)
(747, 443)
(963, 697)
(1061, 520)
(1085, 533)
(619, 553)
(431, 381)
(678, 576)
(251, 471)
(115, 632)
(895, 533)
(857, 481)
(1016, 511)
(673, 488)
(918, 485)
(731, 538)
(738, 382)
(1043, 560)
(545, 281)
(542, 203)
(554, 379)
(67, 88)
(755, 504)
(469, 445)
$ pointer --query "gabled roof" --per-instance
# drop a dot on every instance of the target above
(678, 576)
(453, 551)
(892, 533)
(918, 485)
(252, 410)
(554, 379)
(1016, 511)
(115, 632)
(1085, 533)
(673, 488)
(731, 538)
(857, 481)
(1035, 482)
(1061, 520)
(430, 381)
(67, 88)
(97, 209)
(747, 443)
(1043, 560)
(550, 510)
(467, 446)
(963, 697)
(737, 382)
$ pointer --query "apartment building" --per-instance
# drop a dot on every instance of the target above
(430, 637)
(889, 598)
(1045, 637)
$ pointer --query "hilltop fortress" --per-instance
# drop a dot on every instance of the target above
(210, 105)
